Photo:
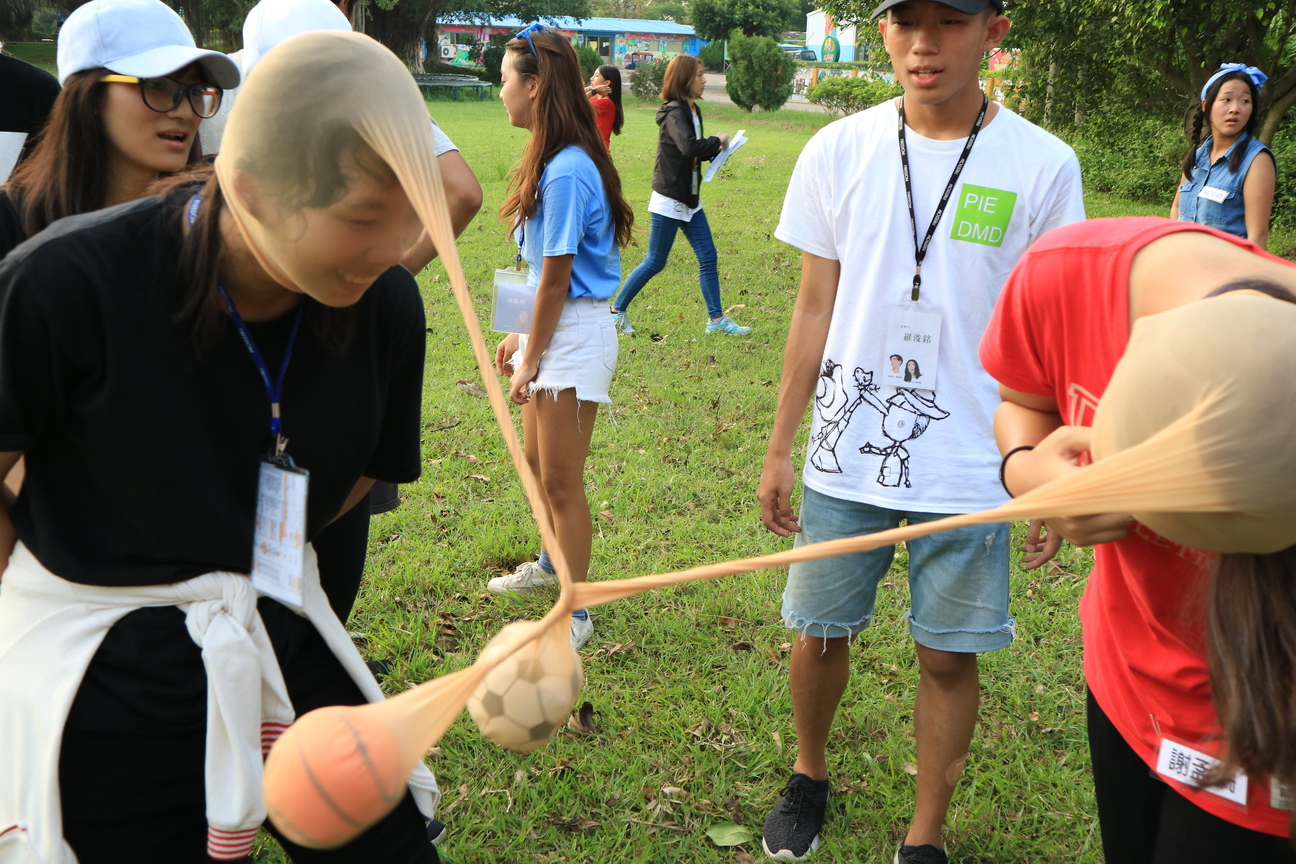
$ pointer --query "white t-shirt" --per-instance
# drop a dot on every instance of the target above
(917, 450)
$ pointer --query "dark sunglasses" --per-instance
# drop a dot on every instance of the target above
(166, 94)
(526, 34)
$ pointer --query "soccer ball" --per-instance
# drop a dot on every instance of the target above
(525, 699)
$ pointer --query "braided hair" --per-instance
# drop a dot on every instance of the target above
(1203, 112)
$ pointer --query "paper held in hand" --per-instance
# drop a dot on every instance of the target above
(719, 161)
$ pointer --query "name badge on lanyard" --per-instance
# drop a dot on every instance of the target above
(912, 343)
(513, 302)
(910, 349)
(1210, 193)
(1190, 766)
(279, 533)
(279, 537)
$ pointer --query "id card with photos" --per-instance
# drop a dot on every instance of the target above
(280, 533)
(910, 350)
(513, 303)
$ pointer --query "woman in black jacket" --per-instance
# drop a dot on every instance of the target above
(674, 204)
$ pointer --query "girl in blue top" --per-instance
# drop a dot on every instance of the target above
(1224, 185)
(570, 219)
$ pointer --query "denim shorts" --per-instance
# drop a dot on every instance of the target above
(958, 580)
(581, 354)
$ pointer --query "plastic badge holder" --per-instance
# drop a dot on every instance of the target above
(514, 302)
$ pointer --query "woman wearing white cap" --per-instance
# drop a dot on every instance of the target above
(135, 88)
(200, 381)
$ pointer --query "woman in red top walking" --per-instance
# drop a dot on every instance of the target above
(604, 93)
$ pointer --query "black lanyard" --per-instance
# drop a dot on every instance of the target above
(920, 251)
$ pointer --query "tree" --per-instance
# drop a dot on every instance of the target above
(760, 73)
(715, 19)
(1181, 42)
(666, 10)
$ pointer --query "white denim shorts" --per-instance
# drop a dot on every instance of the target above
(581, 354)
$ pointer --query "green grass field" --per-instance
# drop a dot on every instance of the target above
(690, 684)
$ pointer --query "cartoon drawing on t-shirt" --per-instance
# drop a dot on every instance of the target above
(905, 416)
(835, 409)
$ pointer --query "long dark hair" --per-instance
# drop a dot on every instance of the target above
(1200, 120)
(67, 171)
(1251, 644)
(612, 75)
(563, 117)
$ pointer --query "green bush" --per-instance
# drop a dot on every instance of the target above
(712, 56)
(589, 60)
(1284, 150)
(842, 96)
(760, 74)
(647, 81)
(1138, 160)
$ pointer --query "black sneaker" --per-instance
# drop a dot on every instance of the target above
(792, 827)
(924, 854)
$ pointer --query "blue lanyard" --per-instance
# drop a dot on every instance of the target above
(273, 389)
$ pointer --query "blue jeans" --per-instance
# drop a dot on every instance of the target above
(660, 239)
(958, 580)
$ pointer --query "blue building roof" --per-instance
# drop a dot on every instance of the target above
(580, 25)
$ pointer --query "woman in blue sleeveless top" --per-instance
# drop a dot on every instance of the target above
(1224, 185)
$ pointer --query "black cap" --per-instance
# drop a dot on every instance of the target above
(968, 7)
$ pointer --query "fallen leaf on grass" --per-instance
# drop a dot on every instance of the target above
(583, 720)
(743, 646)
(472, 388)
(734, 808)
(742, 856)
(573, 823)
(605, 514)
(729, 834)
(482, 477)
(727, 622)
(910, 768)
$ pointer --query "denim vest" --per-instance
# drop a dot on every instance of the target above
(1228, 213)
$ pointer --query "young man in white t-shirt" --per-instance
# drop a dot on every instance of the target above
(914, 443)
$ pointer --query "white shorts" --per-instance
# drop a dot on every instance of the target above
(581, 354)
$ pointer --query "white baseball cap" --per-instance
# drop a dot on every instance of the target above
(144, 38)
(271, 22)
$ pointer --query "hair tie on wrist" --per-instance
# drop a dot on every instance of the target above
(1004, 464)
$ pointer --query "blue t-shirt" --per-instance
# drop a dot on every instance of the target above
(573, 218)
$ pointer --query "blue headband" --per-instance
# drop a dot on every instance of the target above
(1257, 77)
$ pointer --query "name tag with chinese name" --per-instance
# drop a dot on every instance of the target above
(910, 350)
(1281, 797)
(280, 536)
(1210, 193)
(1187, 765)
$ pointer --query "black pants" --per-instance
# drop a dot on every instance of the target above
(341, 548)
(131, 768)
(1145, 821)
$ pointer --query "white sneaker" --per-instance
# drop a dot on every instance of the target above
(527, 577)
(581, 631)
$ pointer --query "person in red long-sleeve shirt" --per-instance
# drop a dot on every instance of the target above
(605, 96)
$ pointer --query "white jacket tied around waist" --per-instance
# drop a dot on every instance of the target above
(50, 629)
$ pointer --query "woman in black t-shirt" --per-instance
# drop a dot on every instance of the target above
(139, 350)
